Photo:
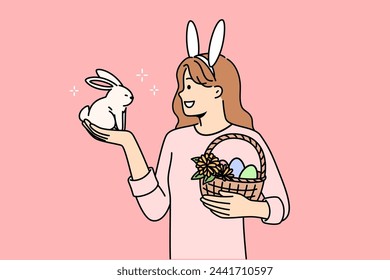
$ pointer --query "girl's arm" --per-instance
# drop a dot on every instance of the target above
(152, 197)
(136, 162)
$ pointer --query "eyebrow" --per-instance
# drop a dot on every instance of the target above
(188, 78)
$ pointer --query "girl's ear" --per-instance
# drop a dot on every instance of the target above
(218, 91)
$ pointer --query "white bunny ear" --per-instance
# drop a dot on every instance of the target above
(192, 40)
(216, 42)
(98, 83)
(109, 76)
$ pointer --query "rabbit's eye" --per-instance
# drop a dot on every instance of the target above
(188, 87)
(126, 95)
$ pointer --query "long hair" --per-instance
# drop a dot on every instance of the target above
(225, 76)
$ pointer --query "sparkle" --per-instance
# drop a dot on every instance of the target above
(142, 75)
(154, 89)
(74, 90)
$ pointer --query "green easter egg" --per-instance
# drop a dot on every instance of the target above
(249, 172)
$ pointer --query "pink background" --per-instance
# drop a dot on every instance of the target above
(315, 78)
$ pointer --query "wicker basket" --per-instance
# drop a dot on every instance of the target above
(250, 188)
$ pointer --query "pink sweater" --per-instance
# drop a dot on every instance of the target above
(195, 232)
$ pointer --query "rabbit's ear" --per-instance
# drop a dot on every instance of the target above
(192, 40)
(100, 83)
(109, 76)
(216, 42)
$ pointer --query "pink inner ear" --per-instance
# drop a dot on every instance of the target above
(101, 83)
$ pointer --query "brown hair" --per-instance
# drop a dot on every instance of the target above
(226, 76)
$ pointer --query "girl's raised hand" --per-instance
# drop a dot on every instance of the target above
(138, 167)
(117, 137)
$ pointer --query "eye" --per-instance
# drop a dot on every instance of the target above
(188, 87)
(126, 95)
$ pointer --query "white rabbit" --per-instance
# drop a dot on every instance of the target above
(110, 111)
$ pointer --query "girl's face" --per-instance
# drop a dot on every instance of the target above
(196, 99)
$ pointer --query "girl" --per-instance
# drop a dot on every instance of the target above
(207, 104)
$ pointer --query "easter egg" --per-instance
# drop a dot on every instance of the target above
(237, 165)
(249, 172)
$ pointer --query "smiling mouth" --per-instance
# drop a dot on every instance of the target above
(189, 104)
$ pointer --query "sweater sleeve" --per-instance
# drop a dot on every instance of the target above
(274, 191)
(152, 191)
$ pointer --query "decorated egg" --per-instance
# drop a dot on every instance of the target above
(249, 172)
(237, 165)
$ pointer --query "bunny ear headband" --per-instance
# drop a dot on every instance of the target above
(215, 46)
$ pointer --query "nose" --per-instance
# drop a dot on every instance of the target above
(183, 93)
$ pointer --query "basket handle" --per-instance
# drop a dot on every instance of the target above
(216, 141)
